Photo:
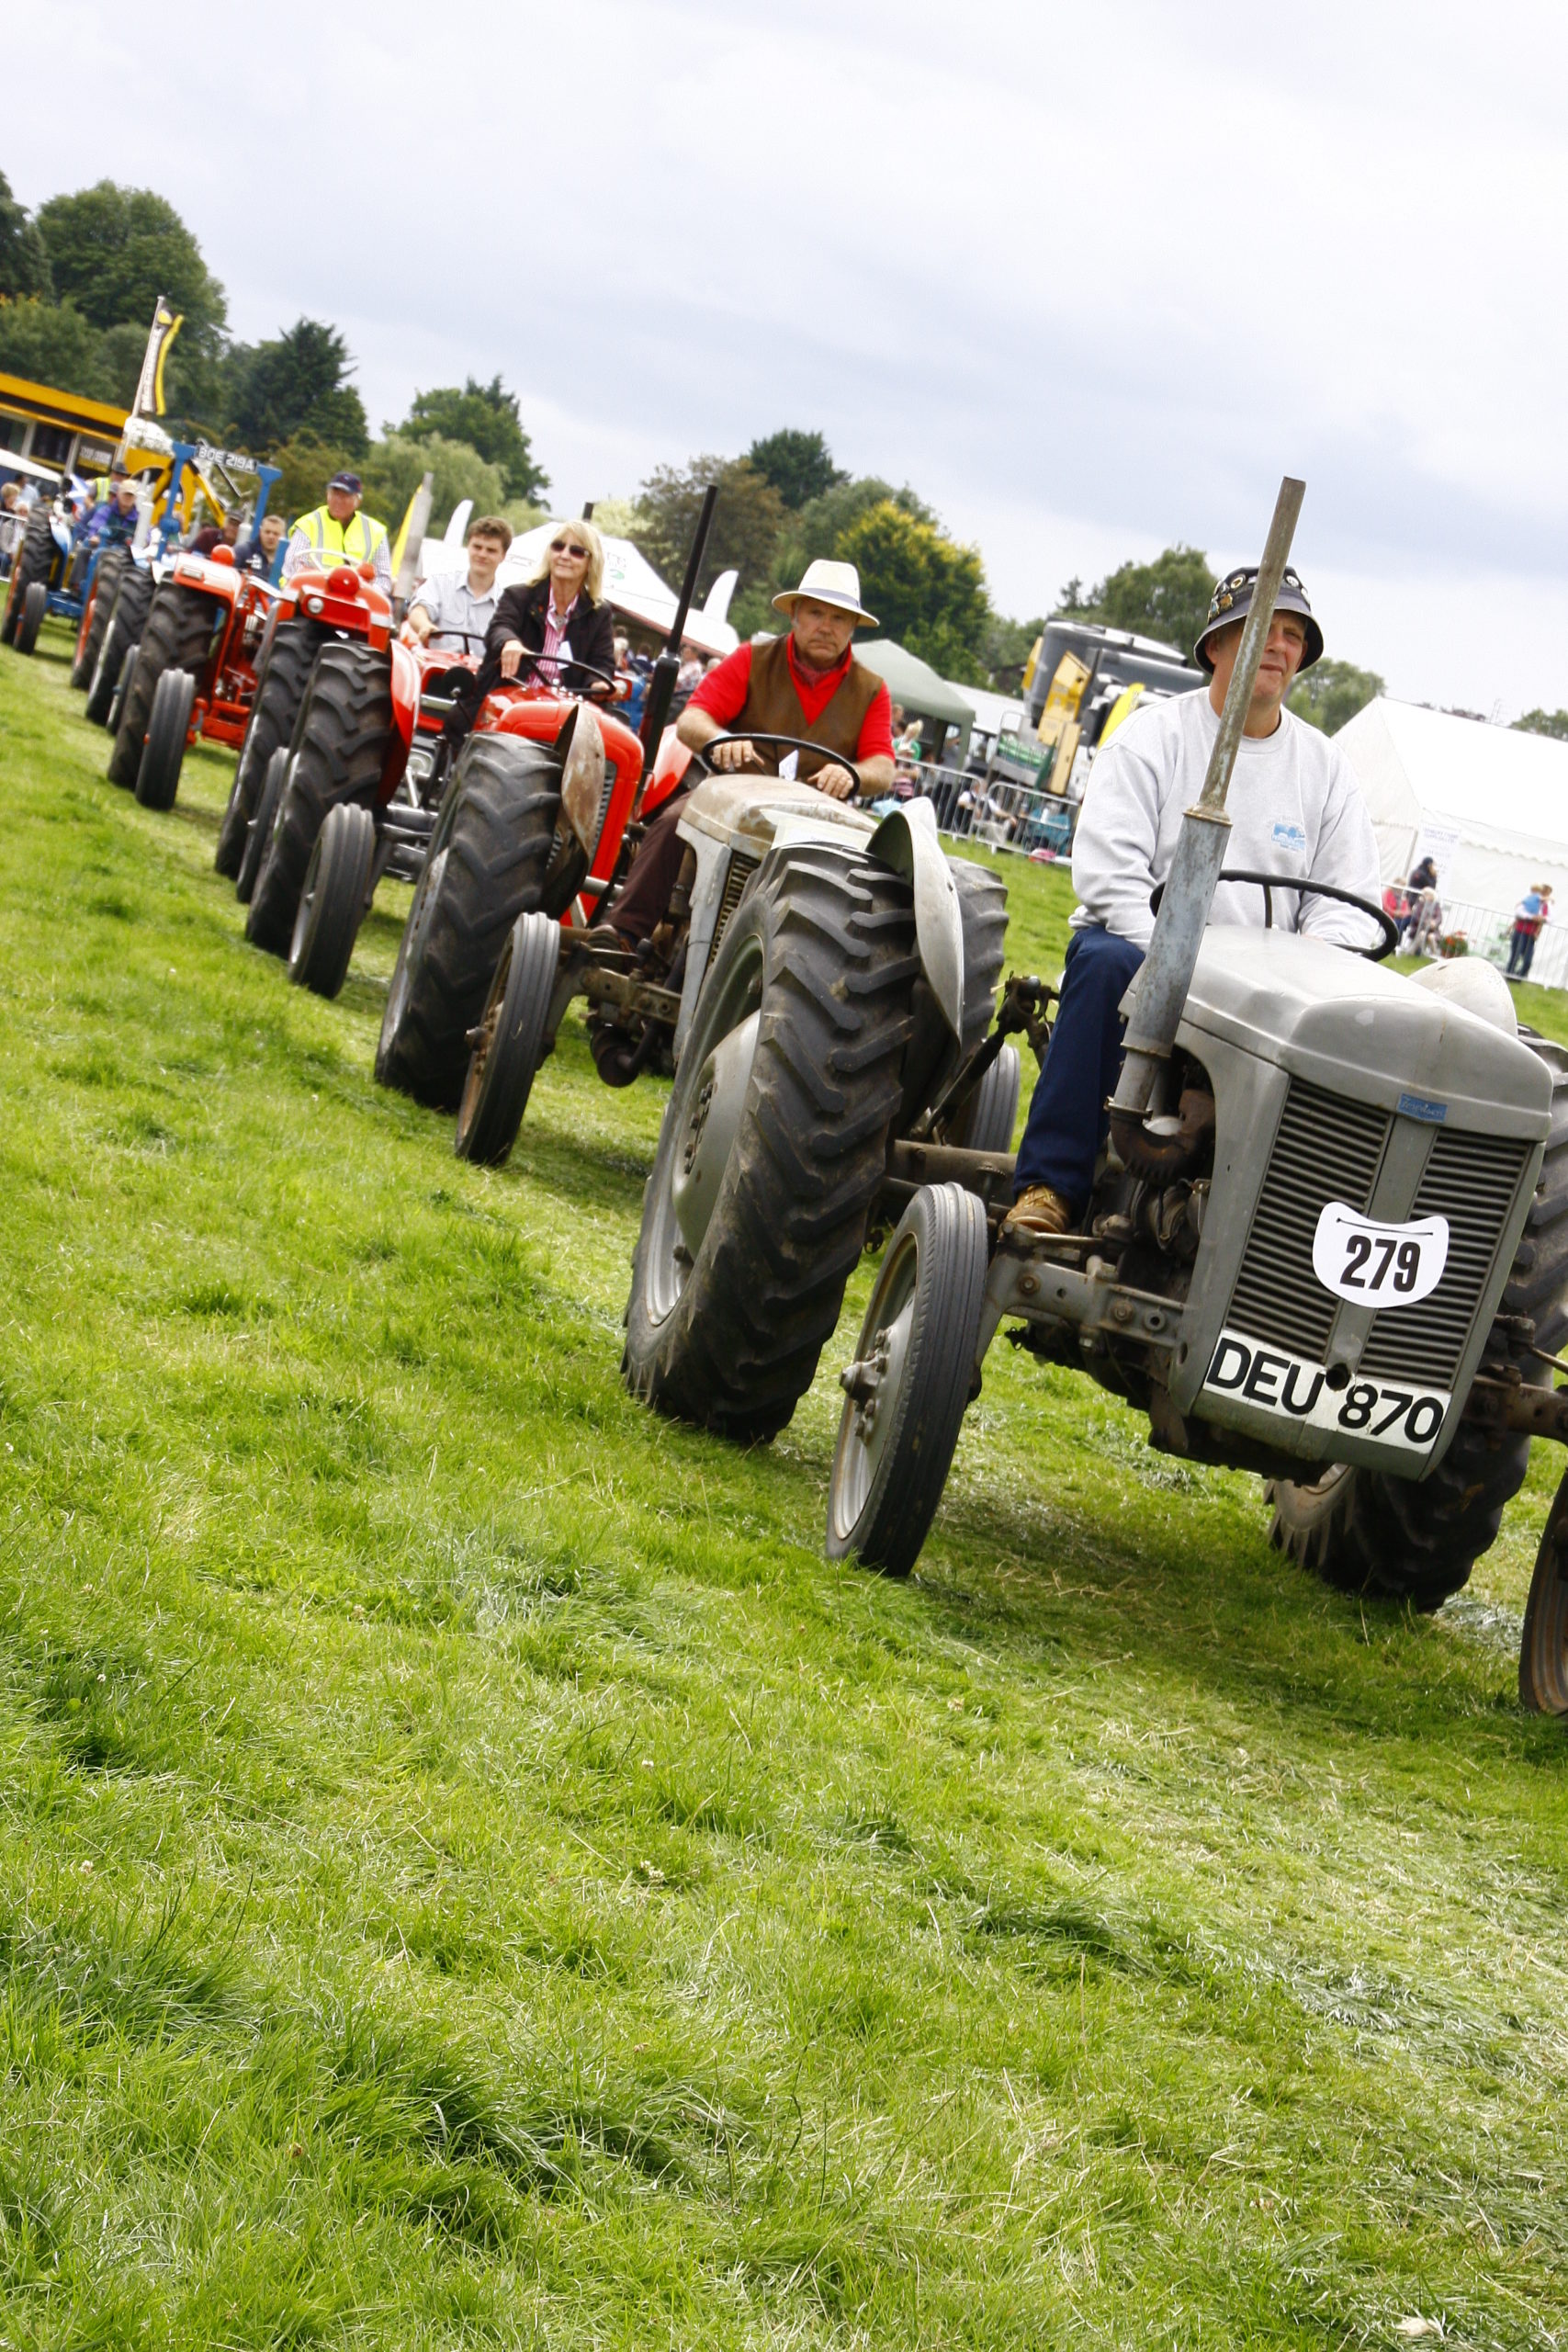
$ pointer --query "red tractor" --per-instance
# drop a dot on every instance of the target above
(531, 824)
(195, 672)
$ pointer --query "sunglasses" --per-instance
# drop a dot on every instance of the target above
(564, 547)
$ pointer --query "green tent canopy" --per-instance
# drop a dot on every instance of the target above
(916, 684)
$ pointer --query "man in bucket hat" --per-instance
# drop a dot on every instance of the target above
(808, 684)
(1295, 809)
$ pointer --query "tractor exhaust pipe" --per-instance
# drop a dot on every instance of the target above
(1183, 916)
(661, 685)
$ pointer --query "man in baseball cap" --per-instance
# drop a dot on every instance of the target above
(338, 533)
(1295, 810)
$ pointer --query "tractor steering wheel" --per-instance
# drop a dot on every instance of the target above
(1269, 883)
(790, 743)
(561, 662)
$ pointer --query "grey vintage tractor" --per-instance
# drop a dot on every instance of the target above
(1327, 1243)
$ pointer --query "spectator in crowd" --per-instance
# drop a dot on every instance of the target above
(217, 535)
(1420, 892)
(1529, 916)
(13, 516)
(907, 748)
(263, 551)
(454, 610)
(688, 678)
(1426, 928)
(1423, 876)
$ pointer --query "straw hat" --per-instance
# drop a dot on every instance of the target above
(827, 583)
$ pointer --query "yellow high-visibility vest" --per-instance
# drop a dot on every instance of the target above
(351, 542)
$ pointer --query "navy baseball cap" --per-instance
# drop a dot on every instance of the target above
(351, 483)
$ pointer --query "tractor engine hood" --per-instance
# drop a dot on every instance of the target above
(1347, 1025)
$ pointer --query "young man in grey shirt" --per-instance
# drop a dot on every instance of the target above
(453, 602)
(1296, 811)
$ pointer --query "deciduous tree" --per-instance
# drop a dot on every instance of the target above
(1544, 722)
(484, 416)
(926, 591)
(297, 384)
(745, 522)
(1333, 691)
(113, 250)
(24, 264)
(799, 465)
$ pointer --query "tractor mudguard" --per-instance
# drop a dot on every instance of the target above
(907, 840)
(671, 762)
(405, 714)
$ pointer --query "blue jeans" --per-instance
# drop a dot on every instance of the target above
(1067, 1118)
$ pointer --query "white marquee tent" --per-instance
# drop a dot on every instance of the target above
(1487, 804)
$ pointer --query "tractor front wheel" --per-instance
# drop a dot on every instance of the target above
(906, 1391)
(508, 1043)
(486, 864)
(177, 636)
(34, 561)
(774, 1144)
(259, 839)
(158, 776)
(95, 620)
(281, 685)
(332, 904)
(338, 753)
(35, 605)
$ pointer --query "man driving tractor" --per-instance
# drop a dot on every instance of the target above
(339, 532)
(1296, 811)
(464, 602)
(808, 684)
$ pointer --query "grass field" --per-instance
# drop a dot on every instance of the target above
(471, 1873)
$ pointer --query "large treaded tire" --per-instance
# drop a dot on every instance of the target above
(338, 753)
(821, 954)
(506, 1052)
(268, 801)
(127, 619)
(487, 862)
(281, 686)
(35, 561)
(1362, 1532)
(177, 636)
(106, 581)
(35, 605)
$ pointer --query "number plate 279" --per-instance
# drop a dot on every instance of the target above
(1247, 1370)
(1380, 1266)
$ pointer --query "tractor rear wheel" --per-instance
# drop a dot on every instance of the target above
(262, 824)
(158, 777)
(106, 579)
(281, 683)
(486, 867)
(177, 636)
(35, 605)
(1362, 1532)
(123, 629)
(774, 1144)
(507, 1046)
(34, 561)
(338, 753)
(332, 904)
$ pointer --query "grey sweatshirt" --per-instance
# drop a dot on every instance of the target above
(1295, 809)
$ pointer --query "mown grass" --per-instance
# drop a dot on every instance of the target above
(471, 1873)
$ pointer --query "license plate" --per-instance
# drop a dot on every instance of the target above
(1248, 1371)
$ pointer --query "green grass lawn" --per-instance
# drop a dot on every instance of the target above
(471, 1873)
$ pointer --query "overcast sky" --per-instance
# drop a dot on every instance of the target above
(1091, 279)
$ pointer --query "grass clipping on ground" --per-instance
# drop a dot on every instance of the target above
(473, 1872)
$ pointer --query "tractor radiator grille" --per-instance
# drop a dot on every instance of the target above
(1326, 1149)
(741, 869)
(1471, 1180)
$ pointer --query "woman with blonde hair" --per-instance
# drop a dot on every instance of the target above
(559, 616)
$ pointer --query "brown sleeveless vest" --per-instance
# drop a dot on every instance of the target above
(773, 707)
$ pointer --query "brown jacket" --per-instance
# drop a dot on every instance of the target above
(773, 707)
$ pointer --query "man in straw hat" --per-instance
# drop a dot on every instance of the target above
(1295, 809)
(808, 684)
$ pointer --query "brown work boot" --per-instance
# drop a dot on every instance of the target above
(1039, 1210)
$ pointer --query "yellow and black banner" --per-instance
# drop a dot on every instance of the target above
(166, 325)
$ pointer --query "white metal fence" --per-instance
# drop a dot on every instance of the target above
(998, 811)
(1489, 933)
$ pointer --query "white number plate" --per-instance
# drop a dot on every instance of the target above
(1248, 1371)
(1378, 1265)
